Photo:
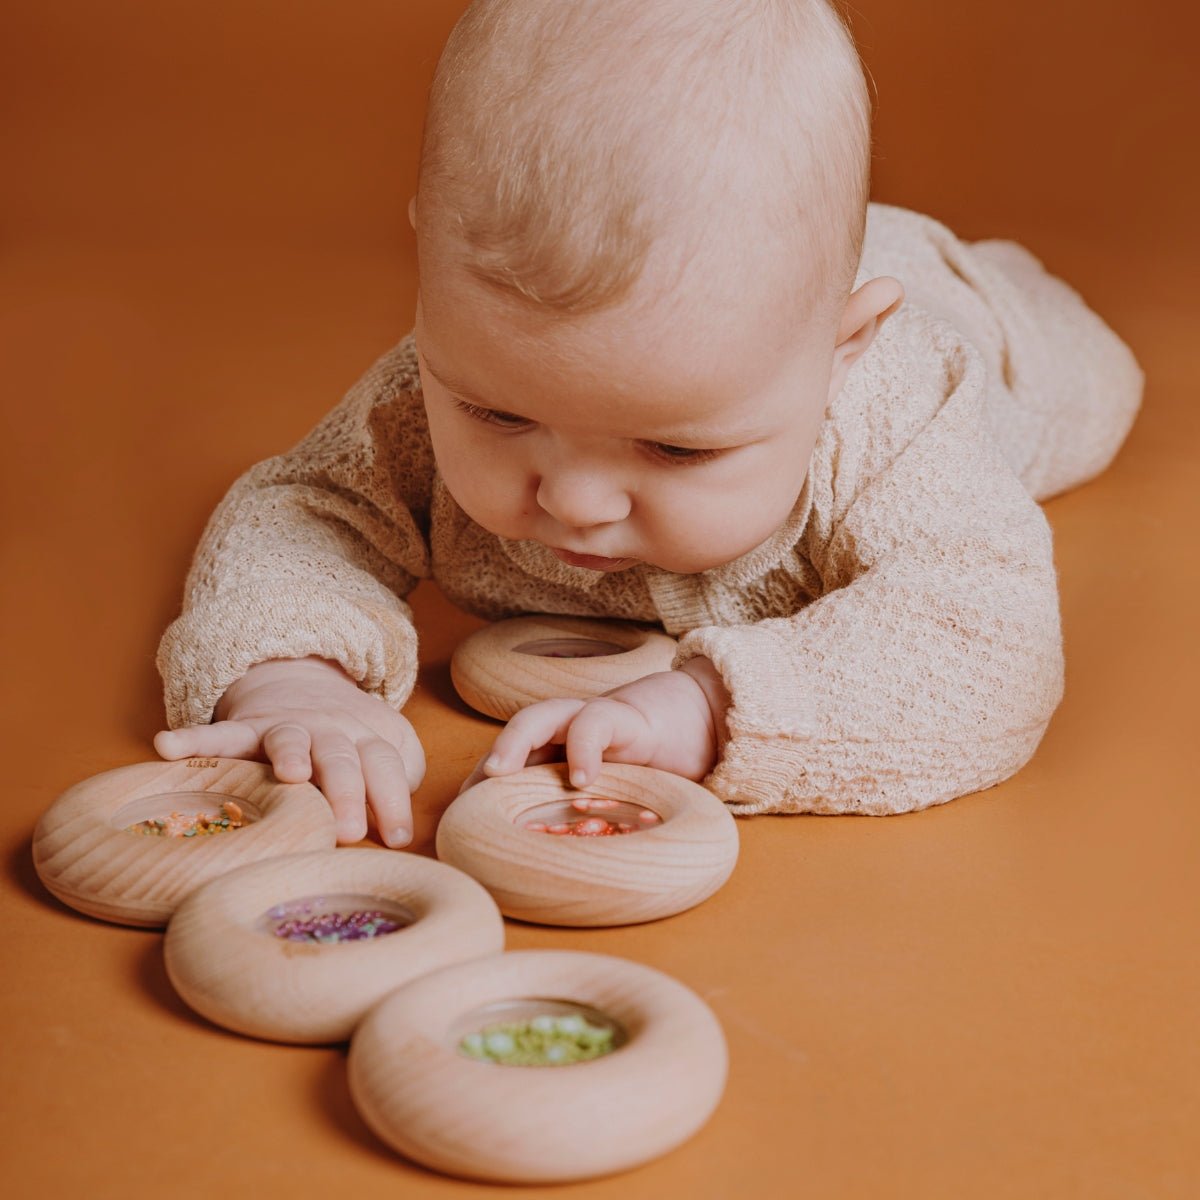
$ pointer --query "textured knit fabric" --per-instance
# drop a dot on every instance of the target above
(895, 644)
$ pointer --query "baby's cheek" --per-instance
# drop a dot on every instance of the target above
(719, 524)
(490, 491)
(694, 536)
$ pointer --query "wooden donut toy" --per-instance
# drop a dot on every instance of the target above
(297, 949)
(501, 668)
(538, 1066)
(636, 845)
(129, 844)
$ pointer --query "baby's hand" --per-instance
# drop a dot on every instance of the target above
(669, 721)
(308, 719)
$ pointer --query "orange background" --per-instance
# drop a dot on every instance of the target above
(203, 245)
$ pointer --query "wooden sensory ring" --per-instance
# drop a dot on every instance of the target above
(226, 962)
(555, 880)
(538, 1124)
(86, 856)
(503, 667)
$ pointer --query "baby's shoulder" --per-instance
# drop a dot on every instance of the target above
(379, 426)
(917, 367)
(396, 424)
(898, 241)
(916, 363)
(388, 393)
(393, 378)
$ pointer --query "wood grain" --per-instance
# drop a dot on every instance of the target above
(538, 1124)
(560, 880)
(496, 678)
(86, 857)
(225, 962)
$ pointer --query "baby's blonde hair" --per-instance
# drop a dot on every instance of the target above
(565, 138)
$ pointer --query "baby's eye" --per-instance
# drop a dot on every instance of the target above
(680, 454)
(492, 416)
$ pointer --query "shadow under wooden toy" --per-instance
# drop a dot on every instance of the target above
(297, 949)
(128, 845)
(526, 838)
(504, 667)
(459, 1069)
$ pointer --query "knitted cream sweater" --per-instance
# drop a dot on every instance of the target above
(894, 645)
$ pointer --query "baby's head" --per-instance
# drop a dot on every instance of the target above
(639, 223)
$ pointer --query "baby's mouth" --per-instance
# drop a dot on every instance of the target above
(592, 562)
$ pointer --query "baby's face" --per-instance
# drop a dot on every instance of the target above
(676, 434)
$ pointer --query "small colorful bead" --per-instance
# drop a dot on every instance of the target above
(188, 825)
(297, 925)
(541, 1041)
(594, 826)
(591, 827)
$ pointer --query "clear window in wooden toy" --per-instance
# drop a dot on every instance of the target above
(128, 845)
(681, 846)
(504, 667)
(642, 1068)
(297, 949)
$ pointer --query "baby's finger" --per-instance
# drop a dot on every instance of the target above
(338, 773)
(603, 723)
(287, 748)
(225, 739)
(387, 790)
(532, 728)
(412, 754)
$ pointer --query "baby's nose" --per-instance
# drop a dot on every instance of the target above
(579, 500)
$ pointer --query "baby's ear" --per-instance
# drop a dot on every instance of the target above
(862, 318)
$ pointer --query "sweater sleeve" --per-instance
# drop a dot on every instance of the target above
(931, 661)
(311, 552)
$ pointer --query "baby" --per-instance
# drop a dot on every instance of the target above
(668, 366)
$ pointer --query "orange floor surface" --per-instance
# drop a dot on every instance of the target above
(203, 243)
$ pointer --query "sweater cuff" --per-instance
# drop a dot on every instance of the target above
(770, 716)
(214, 644)
(767, 694)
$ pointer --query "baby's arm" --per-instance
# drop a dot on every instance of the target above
(294, 635)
